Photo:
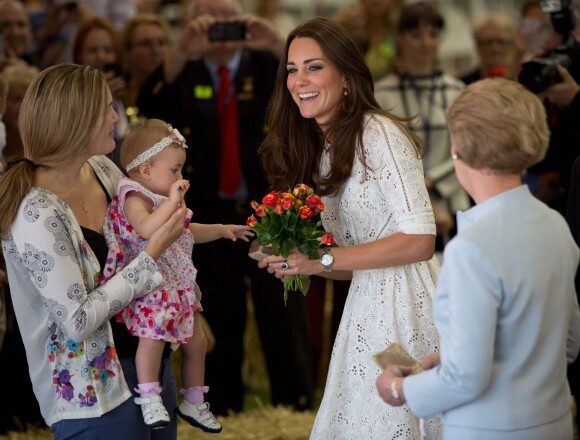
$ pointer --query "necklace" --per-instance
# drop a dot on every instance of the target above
(82, 203)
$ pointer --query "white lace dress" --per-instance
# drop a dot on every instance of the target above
(383, 305)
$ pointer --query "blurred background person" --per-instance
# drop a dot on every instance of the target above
(372, 23)
(419, 87)
(216, 95)
(17, 34)
(98, 44)
(18, 77)
(116, 11)
(23, 412)
(145, 38)
(56, 23)
(273, 10)
(148, 6)
(496, 39)
(566, 95)
(549, 179)
(535, 29)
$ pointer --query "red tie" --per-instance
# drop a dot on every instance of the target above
(230, 148)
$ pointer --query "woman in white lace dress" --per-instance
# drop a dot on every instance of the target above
(326, 129)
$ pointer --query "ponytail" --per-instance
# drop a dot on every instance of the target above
(14, 185)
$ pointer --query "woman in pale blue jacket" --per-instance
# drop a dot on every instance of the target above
(505, 304)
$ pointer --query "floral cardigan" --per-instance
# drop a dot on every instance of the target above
(62, 314)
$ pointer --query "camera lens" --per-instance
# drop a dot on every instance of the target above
(540, 73)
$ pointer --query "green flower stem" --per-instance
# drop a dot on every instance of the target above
(295, 283)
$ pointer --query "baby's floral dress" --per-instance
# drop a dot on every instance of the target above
(167, 313)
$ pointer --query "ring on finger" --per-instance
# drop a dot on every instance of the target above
(284, 265)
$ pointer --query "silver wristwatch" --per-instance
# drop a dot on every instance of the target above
(327, 259)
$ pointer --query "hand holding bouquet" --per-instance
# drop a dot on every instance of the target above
(289, 220)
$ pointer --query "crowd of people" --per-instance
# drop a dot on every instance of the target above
(125, 140)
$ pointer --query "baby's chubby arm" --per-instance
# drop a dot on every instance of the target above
(141, 213)
(204, 233)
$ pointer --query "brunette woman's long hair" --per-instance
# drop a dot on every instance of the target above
(292, 148)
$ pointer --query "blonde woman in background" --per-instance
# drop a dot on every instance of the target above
(98, 44)
(496, 39)
(145, 39)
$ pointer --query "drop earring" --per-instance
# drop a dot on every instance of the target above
(345, 92)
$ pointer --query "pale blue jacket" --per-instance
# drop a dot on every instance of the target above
(508, 319)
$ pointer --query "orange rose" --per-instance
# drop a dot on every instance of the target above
(327, 239)
(270, 199)
(300, 189)
(306, 212)
(312, 201)
(252, 221)
(261, 211)
(287, 202)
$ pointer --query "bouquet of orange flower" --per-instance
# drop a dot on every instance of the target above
(288, 220)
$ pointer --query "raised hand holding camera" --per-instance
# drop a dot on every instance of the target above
(227, 31)
(542, 72)
(562, 93)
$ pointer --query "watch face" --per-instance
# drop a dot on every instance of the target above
(326, 259)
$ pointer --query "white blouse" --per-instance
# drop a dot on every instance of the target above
(62, 314)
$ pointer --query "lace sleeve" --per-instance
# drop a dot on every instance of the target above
(393, 163)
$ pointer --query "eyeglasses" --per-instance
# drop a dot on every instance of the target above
(492, 41)
(12, 25)
(150, 43)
